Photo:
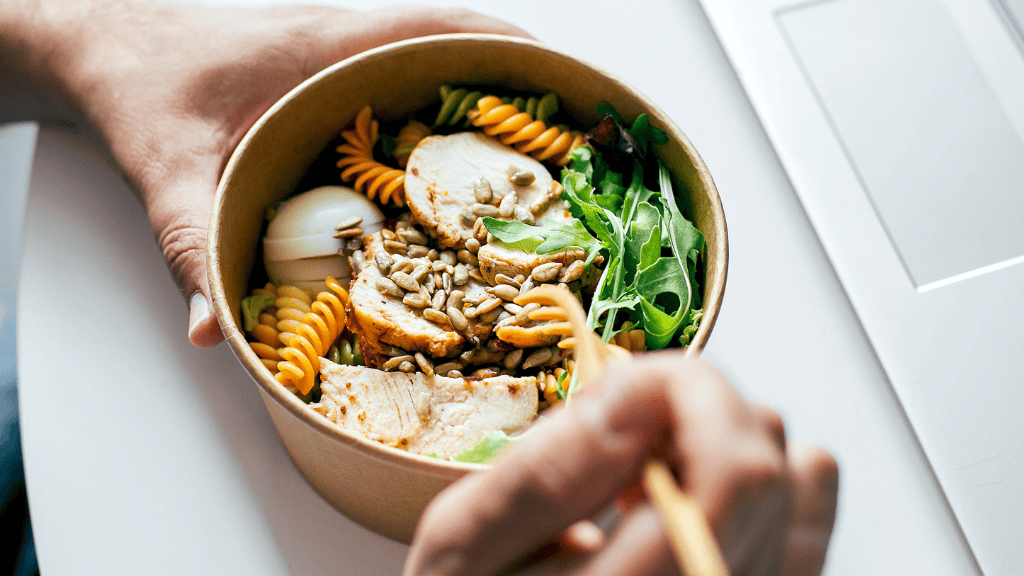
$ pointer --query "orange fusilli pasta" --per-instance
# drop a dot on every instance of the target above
(357, 163)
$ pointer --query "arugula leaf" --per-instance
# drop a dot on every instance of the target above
(607, 109)
(661, 321)
(686, 241)
(251, 308)
(485, 450)
(554, 235)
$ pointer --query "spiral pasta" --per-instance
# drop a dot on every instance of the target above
(308, 328)
(519, 129)
(407, 138)
(357, 163)
(455, 103)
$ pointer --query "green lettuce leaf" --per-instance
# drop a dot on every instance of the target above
(485, 450)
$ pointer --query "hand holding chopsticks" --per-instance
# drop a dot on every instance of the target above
(767, 505)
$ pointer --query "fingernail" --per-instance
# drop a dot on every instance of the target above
(198, 312)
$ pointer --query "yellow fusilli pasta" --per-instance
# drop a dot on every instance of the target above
(357, 163)
(407, 138)
(308, 328)
(519, 129)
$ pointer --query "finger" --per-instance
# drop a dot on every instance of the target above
(363, 31)
(732, 464)
(815, 477)
(640, 547)
(180, 213)
(566, 469)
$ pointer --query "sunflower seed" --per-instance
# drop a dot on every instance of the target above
(525, 216)
(488, 372)
(436, 316)
(446, 282)
(475, 298)
(507, 207)
(406, 366)
(480, 231)
(416, 300)
(505, 279)
(526, 286)
(522, 178)
(524, 315)
(354, 244)
(482, 190)
(540, 204)
(467, 356)
(572, 272)
(503, 315)
(425, 364)
(387, 234)
(473, 245)
(492, 316)
(395, 247)
(474, 274)
(419, 272)
(457, 318)
(417, 251)
(545, 272)
(388, 287)
(403, 265)
(356, 262)
(396, 361)
(467, 257)
(538, 357)
(412, 236)
(470, 312)
(512, 307)
(454, 374)
(438, 301)
(488, 305)
(448, 367)
(513, 358)
(349, 233)
(437, 266)
(455, 299)
(448, 257)
(511, 169)
(405, 281)
(461, 275)
(504, 291)
(483, 210)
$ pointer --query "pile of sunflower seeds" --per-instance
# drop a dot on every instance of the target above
(434, 283)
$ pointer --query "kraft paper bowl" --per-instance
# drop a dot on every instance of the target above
(383, 488)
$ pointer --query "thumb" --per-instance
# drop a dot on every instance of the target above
(180, 215)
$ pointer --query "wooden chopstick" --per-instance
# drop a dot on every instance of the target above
(693, 542)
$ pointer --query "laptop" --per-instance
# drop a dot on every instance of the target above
(901, 126)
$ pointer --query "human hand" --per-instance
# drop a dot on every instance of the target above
(771, 504)
(172, 89)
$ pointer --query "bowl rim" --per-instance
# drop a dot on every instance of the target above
(300, 410)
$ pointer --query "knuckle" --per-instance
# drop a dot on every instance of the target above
(184, 249)
(761, 474)
(772, 421)
(823, 467)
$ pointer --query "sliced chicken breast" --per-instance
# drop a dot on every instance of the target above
(422, 414)
(381, 320)
(442, 173)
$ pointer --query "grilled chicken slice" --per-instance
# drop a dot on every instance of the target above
(495, 258)
(424, 415)
(381, 320)
(442, 173)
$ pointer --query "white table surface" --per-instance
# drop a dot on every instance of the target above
(145, 455)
